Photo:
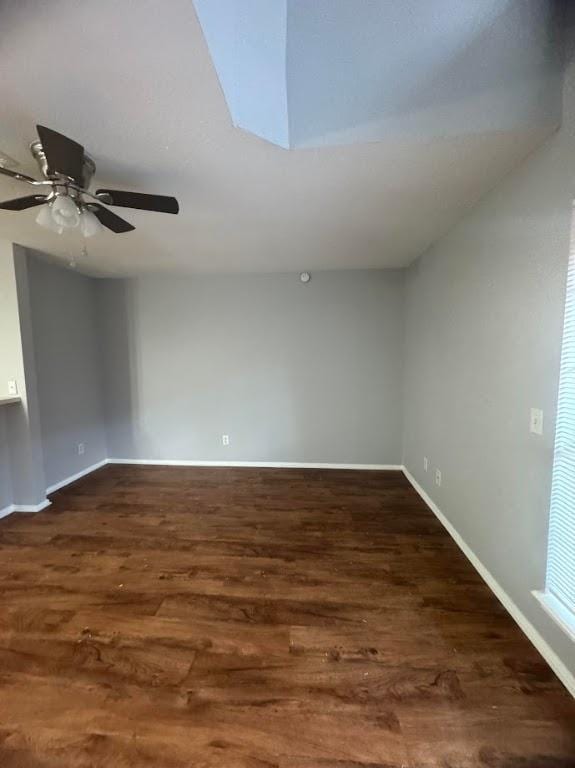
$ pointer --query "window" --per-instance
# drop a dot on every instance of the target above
(559, 595)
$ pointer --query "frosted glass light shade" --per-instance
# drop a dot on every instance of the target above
(65, 212)
(89, 223)
(45, 219)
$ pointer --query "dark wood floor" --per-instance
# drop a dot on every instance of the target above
(199, 618)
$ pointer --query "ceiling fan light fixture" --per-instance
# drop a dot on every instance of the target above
(89, 223)
(65, 212)
(46, 219)
(68, 170)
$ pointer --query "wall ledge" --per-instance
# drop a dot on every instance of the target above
(10, 400)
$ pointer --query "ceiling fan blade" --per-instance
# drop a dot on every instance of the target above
(63, 155)
(21, 203)
(159, 203)
(109, 219)
(16, 175)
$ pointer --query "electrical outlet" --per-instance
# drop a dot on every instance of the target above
(12, 387)
(437, 477)
(225, 439)
(536, 421)
(425, 463)
(81, 448)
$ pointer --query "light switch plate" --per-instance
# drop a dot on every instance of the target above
(536, 421)
(12, 387)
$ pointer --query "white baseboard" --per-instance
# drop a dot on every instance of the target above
(6, 511)
(263, 464)
(24, 508)
(77, 476)
(32, 507)
(534, 636)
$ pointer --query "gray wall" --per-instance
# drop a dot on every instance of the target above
(291, 372)
(484, 322)
(6, 498)
(22, 450)
(10, 342)
(10, 361)
(68, 370)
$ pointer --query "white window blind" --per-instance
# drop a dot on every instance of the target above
(560, 586)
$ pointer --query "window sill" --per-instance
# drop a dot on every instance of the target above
(557, 611)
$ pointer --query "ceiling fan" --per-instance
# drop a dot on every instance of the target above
(68, 171)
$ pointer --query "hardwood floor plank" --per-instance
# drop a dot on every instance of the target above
(247, 618)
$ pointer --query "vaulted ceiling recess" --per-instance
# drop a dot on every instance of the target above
(303, 74)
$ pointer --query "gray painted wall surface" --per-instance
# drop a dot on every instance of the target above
(10, 359)
(10, 344)
(67, 354)
(291, 372)
(23, 444)
(5, 468)
(484, 322)
(24, 433)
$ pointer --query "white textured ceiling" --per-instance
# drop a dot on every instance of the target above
(133, 81)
